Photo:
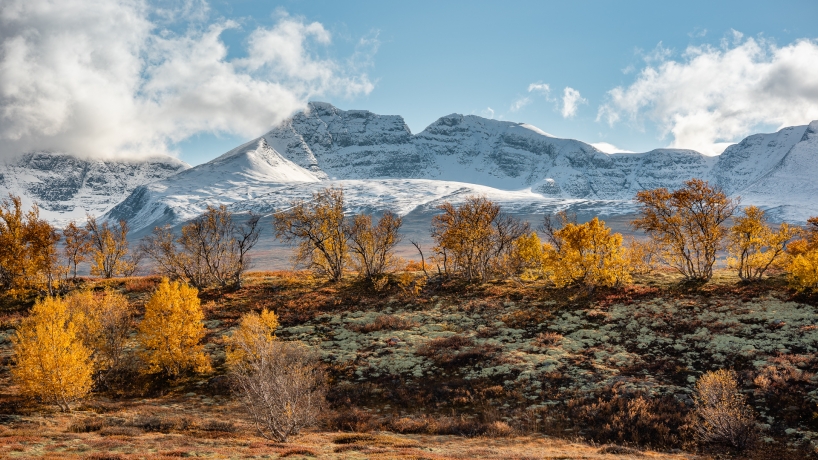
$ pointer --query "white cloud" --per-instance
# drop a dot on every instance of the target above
(570, 100)
(542, 88)
(488, 112)
(609, 148)
(105, 77)
(713, 96)
(519, 104)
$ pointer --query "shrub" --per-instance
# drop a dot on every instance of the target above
(472, 239)
(721, 411)
(50, 360)
(103, 322)
(372, 247)
(109, 249)
(317, 229)
(172, 329)
(281, 384)
(753, 245)
(803, 271)
(586, 254)
(210, 252)
(687, 225)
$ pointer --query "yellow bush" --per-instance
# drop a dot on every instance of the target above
(103, 322)
(51, 362)
(172, 329)
(587, 254)
(254, 332)
(803, 270)
(527, 256)
(753, 245)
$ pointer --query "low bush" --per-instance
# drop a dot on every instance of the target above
(722, 414)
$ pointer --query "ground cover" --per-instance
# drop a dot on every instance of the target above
(514, 370)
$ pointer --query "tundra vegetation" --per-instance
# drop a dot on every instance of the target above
(568, 331)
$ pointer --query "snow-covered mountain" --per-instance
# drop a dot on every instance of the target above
(66, 187)
(381, 164)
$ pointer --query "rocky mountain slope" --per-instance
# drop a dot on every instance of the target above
(382, 165)
(66, 187)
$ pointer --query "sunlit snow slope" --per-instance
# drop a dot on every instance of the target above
(382, 165)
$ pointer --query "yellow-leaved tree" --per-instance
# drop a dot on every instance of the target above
(28, 248)
(280, 383)
(686, 225)
(103, 321)
(50, 361)
(109, 249)
(586, 254)
(317, 229)
(372, 246)
(527, 257)
(803, 258)
(171, 330)
(754, 246)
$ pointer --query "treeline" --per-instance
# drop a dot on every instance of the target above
(686, 230)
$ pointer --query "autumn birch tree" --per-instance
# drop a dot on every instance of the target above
(50, 360)
(317, 229)
(686, 225)
(372, 247)
(109, 248)
(754, 246)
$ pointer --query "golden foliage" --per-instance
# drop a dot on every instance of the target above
(587, 254)
(51, 362)
(753, 245)
(527, 257)
(803, 271)
(171, 330)
(721, 410)
(687, 225)
(109, 249)
(640, 256)
(28, 249)
(474, 238)
(77, 245)
(372, 248)
(103, 321)
(317, 230)
(255, 331)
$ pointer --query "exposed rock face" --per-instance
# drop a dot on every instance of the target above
(381, 165)
(66, 187)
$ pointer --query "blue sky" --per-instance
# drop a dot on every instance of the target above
(694, 74)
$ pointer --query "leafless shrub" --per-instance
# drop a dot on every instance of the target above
(281, 384)
(210, 252)
(722, 413)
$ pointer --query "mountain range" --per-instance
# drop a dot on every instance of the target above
(381, 165)
(66, 187)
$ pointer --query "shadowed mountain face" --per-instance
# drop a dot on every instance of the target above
(66, 187)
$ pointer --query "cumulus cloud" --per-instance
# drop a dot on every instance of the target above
(609, 148)
(713, 96)
(570, 100)
(107, 77)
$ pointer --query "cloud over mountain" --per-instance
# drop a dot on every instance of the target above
(713, 95)
(108, 77)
